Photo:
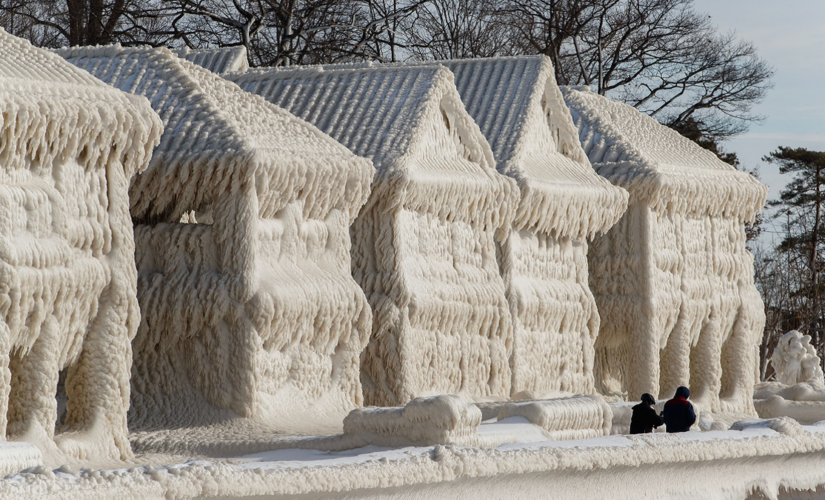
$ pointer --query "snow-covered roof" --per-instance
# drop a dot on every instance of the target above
(218, 60)
(399, 116)
(219, 140)
(50, 109)
(656, 164)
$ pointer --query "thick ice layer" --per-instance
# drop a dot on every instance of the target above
(424, 247)
(421, 422)
(673, 279)
(242, 252)
(17, 456)
(70, 145)
(577, 417)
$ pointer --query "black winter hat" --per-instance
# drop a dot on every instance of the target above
(647, 398)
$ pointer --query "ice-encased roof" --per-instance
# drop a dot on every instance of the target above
(388, 114)
(218, 60)
(219, 140)
(656, 164)
(52, 110)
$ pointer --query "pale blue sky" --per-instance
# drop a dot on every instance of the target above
(790, 35)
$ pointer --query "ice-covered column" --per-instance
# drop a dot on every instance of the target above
(68, 307)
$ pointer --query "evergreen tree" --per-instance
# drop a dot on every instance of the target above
(800, 208)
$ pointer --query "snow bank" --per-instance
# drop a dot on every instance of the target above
(424, 246)
(69, 146)
(422, 421)
(243, 246)
(673, 279)
(219, 60)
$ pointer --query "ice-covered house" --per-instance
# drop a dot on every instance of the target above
(242, 233)
(673, 279)
(218, 60)
(68, 146)
(520, 110)
(424, 246)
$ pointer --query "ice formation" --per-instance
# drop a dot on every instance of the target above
(520, 110)
(576, 417)
(799, 389)
(423, 421)
(243, 252)
(17, 456)
(68, 146)
(673, 278)
(219, 60)
(424, 246)
(794, 360)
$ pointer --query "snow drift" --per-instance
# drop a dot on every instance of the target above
(424, 246)
(242, 250)
(69, 145)
(673, 279)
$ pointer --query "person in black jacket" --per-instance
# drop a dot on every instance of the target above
(644, 417)
(678, 412)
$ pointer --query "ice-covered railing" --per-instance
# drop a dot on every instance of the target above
(69, 146)
(242, 249)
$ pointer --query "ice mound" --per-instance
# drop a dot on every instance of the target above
(444, 419)
(69, 146)
(17, 456)
(794, 360)
(424, 246)
(782, 425)
(218, 60)
(576, 417)
(673, 279)
(243, 216)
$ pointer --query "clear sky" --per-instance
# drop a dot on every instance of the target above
(790, 35)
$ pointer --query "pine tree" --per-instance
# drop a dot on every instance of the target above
(800, 208)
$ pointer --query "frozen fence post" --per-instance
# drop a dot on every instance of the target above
(243, 246)
(673, 279)
(424, 246)
(69, 146)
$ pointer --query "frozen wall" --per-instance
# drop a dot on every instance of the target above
(69, 146)
(673, 279)
(424, 246)
(242, 252)
(543, 260)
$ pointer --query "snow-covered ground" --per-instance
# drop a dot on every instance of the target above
(766, 459)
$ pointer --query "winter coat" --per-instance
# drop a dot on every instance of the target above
(678, 413)
(644, 419)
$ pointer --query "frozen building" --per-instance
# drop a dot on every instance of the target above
(242, 233)
(520, 110)
(68, 146)
(673, 279)
(218, 60)
(424, 246)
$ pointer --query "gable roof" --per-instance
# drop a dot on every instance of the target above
(49, 109)
(219, 140)
(656, 164)
(520, 110)
(219, 60)
(388, 113)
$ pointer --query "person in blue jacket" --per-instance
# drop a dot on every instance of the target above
(678, 413)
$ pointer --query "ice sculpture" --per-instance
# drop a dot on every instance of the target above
(68, 146)
(219, 60)
(424, 246)
(794, 360)
(520, 110)
(242, 250)
(673, 279)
